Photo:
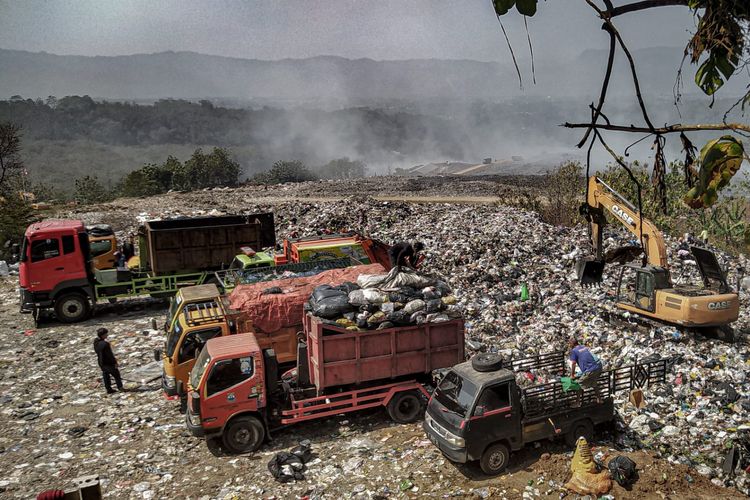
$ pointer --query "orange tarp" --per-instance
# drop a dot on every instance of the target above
(272, 312)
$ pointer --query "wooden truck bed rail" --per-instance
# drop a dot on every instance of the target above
(547, 399)
(552, 361)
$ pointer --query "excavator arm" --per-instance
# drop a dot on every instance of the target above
(601, 197)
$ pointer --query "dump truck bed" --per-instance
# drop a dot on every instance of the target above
(341, 357)
(202, 243)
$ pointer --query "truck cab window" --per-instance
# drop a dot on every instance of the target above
(44, 249)
(194, 342)
(494, 398)
(68, 244)
(100, 247)
(228, 373)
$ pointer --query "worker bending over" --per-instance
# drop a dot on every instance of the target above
(405, 254)
(590, 365)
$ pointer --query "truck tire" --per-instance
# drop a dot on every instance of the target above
(243, 435)
(405, 407)
(494, 459)
(487, 362)
(72, 307)
(581, 428)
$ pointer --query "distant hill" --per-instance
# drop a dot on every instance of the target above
(190, 75)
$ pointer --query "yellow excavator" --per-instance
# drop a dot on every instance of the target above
(646, 288)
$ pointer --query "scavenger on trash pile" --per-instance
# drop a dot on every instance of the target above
(107, 361)
(405, 254)
(401, 297)
(589, 364)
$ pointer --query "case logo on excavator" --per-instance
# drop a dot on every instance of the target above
(715, 306)
(624, 216)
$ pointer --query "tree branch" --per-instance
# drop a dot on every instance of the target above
(669, 129)
(646, 4)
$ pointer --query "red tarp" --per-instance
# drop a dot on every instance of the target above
(273, 312)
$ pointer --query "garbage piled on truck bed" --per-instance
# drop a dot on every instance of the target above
(380, 301)
(485, 253)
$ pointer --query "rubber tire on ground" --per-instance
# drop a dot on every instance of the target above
(487, 362)
(72, 307)
(494, 459)
(243, 435)
(405, 407)
(581, 428)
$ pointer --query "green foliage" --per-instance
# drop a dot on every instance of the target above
(720, 159)
(15, 211)
(15, 215)
(89, 190)
(343, 168)
(556, 196)
(201, 171)
(285, 171)
(524, 7)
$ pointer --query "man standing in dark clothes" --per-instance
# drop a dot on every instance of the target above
(107, 361)
(405, 254)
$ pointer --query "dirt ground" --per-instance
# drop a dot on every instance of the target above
(137, 444)
(57, 424)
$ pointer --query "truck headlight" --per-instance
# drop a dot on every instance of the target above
(169, 381)
(456, 441)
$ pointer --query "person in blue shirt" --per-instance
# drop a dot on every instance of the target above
(590, 365)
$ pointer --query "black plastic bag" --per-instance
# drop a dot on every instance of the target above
(331, 307)
(325, 292)
(286, 467)
(623, 470)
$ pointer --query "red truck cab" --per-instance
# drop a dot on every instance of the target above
(228, 387)
(54, 268)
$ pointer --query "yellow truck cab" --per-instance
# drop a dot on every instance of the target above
(208, 293)
(197, 314)
(196, 323)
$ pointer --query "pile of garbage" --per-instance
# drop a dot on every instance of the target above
(401, 297)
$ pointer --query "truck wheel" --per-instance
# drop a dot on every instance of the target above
(405, 407)
(494, 459)
(243, 435)
(72, 307)
(581, 428)
(487, 362)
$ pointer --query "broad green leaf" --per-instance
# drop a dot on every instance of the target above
(526, 7)
(503, 6)
(720, 159)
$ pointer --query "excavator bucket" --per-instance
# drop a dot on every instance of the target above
(590, 271)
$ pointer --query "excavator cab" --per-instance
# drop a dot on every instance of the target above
(637, 285)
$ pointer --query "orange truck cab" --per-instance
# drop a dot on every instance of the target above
(236, 395)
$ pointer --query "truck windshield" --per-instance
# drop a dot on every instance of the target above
(456, 393)
(174, 307)
(24, 249)
(200, 366)
(173, 337)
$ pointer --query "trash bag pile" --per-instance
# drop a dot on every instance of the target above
(378, 301)
(290, 466)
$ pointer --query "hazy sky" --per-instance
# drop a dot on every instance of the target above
(274, 29)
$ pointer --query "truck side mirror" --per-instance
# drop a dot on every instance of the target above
(157, 354)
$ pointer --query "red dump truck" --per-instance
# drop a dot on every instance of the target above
(236, 395)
